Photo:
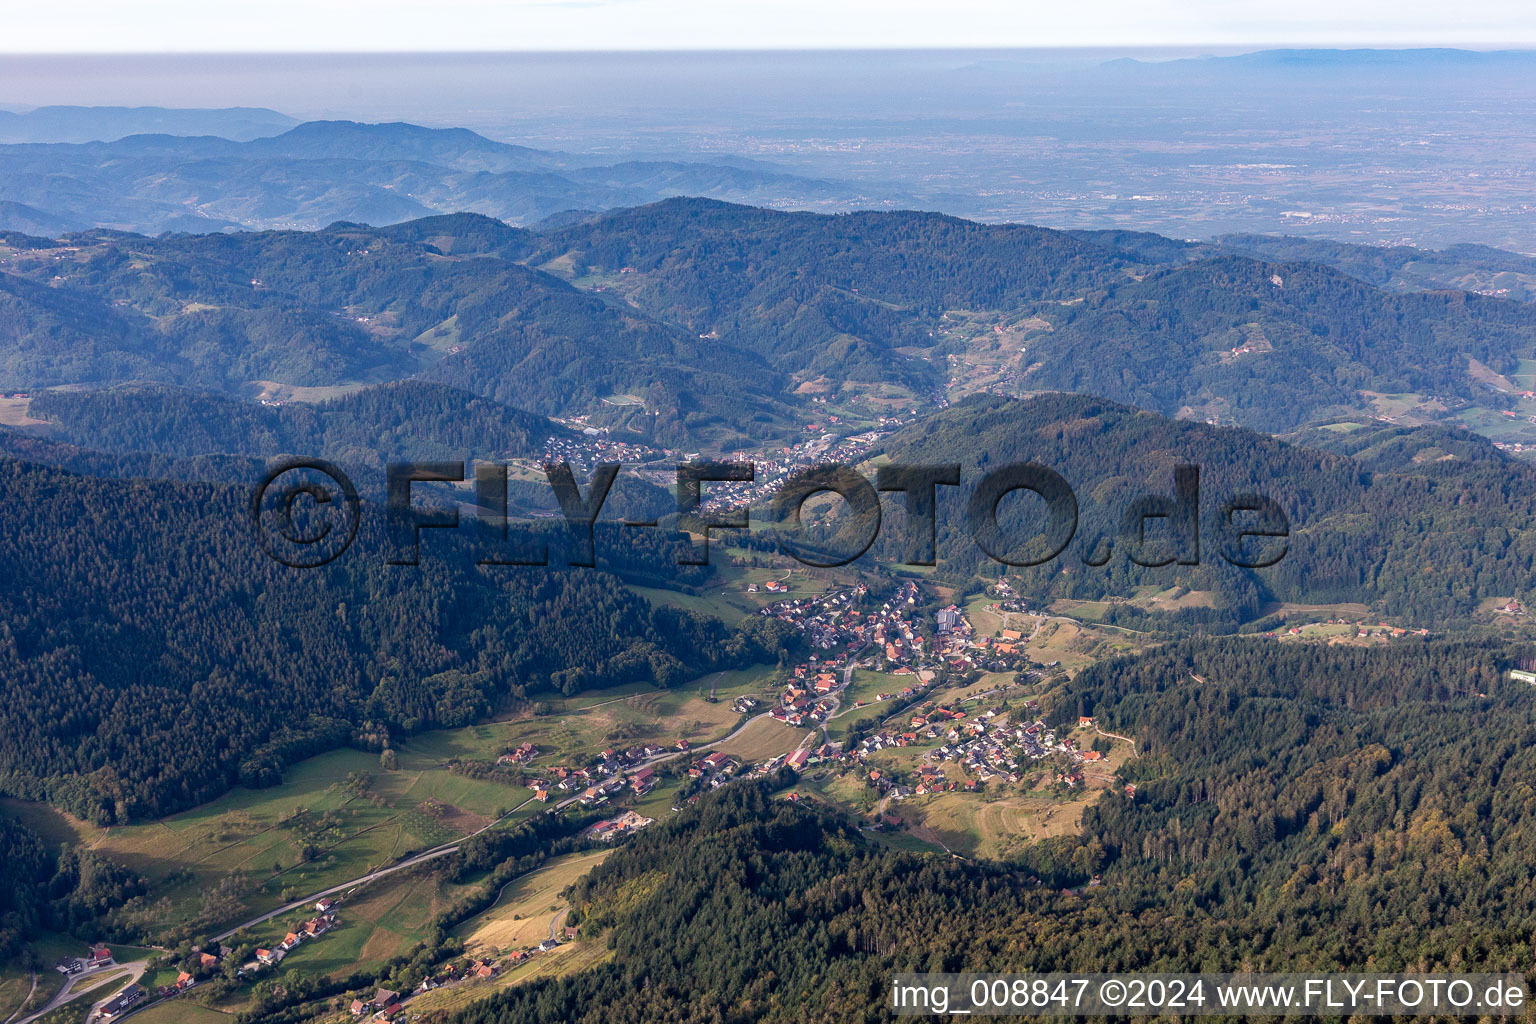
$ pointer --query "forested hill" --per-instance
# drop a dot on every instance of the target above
(154, 656)
(700, 323)
(1346, 809)
(819, 295)
(1271, 343)
(407, 420)
(353, 304)
(1421, 524)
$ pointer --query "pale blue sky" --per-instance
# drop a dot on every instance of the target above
(88, 26)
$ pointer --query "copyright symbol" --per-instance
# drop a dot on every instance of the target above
(296, 516)
(1112, 992)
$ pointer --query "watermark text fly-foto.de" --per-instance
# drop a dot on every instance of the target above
(305, 512)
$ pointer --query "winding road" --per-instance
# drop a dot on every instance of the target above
(67, 994)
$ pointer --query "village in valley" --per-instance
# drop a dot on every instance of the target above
(922, 720)
(923, 714)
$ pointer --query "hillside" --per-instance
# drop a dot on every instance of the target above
(353, 304)
(1345, 808)
(1350, 540)
(154, 656)
(921, 299)
(410, 419)
(694, 321)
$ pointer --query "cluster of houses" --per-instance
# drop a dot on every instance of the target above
(98, 956)
(799, 760)
(991, 747)
(597, 783)
(1364, 630)
(525, 753)
(986, 746)
(322, 922)
(836, 620)
(715, 768)
(592, 445)
(613, 829)
(798, 707)
(385, 1005)
(769, 472)
(185, 980)
(827, 620)
(132, 996)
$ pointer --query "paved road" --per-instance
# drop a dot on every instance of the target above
(420, 858)
(559, 919)
(67, 994)
(447, 848)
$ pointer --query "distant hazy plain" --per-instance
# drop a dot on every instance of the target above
(1424, 147)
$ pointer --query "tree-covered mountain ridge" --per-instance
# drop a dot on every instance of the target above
(1423, 524)
(723, 323)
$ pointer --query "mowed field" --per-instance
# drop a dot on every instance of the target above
(727, 597)
(341, 804)
(528, 906)
(762, 739)
(13, 413)
(865, 686)
(978, 827)
(628, 716)
(1072, 645)
(181, 1011)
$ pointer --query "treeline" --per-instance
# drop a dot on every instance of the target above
(1300, 808)
(152, 655)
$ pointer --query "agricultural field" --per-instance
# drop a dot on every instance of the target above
(374, 923)
(1071, 645)
(13, 413)
(978, 827)
(340, 810)
(996, 825)
(528, 909)
(865, 686)
(342, 814)
(983, 619)
(726, 596)
(763, 738)
(271, 390)
(567, 959)
(181, 1011)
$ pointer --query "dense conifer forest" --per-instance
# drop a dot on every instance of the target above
(154, 656)
(1301, 807)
